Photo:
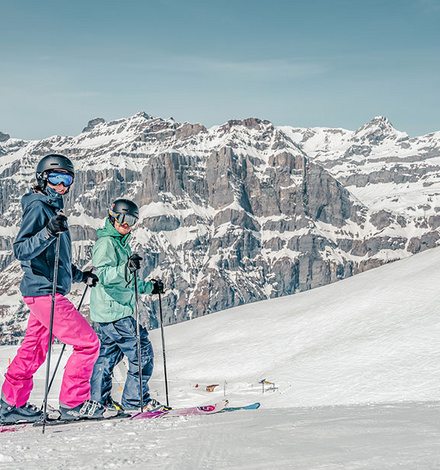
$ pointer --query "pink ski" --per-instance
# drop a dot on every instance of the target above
(196, 410)
(11, 427)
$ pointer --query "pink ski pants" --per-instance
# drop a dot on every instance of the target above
(71, 328)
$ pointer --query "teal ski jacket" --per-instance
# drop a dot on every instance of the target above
(111, 299)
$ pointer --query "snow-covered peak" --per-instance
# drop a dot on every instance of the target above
(380, 122)
(4, 137)
(248, 123)
(144, 115)
(378, 129)
(93, 123)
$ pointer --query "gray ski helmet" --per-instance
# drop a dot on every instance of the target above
(50, 163)
(121, 208)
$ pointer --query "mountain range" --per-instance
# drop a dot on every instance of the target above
(235, 213)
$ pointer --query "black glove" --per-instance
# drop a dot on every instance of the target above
(89, 278)
(134, 263)
(157, 286)
(57, 224)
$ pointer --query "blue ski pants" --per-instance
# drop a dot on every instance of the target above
(117, 339)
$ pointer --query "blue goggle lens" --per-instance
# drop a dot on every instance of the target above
(60, 178)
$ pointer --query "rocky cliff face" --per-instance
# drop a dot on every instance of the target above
(232, 214)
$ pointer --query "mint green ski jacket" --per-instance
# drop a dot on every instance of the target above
(111, 299)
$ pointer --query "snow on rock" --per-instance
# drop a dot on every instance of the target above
(240, 212)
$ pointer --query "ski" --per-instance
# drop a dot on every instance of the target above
(196, 410)
(12, 427)
(59, 422)
(220, 407)
(253, 406)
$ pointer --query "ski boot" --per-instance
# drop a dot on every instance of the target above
(90, 409)
(154, 405)
(22, 414)
(113, 408)
(150, 405)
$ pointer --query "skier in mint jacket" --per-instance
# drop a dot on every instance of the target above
(112, 304)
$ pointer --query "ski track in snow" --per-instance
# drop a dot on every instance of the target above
(355, 366)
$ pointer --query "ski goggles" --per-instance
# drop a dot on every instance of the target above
(56, 178)
(123, 218)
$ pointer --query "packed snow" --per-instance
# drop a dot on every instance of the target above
(353, 383)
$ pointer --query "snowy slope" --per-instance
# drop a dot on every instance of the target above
(370, 338)
(368, 344)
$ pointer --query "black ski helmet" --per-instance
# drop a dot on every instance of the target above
(52, 162)
(123, 206)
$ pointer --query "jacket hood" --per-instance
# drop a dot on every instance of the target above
(110, 231)
(33, 195)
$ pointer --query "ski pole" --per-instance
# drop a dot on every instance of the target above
(52, 312)
(163, 349)
(64, 346)
(138, 334)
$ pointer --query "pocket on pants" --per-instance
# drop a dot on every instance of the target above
(125, 327)
(29, 300)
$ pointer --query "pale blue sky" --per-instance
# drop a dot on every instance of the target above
(335, 63)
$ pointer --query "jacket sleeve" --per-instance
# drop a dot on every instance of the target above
(77, 274)
(145, 287)
(33, 237)
(105, 261)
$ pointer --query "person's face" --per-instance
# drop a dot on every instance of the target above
(123, 229)
(59, 188)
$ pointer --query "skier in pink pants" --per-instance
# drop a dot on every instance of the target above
(35, 248)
